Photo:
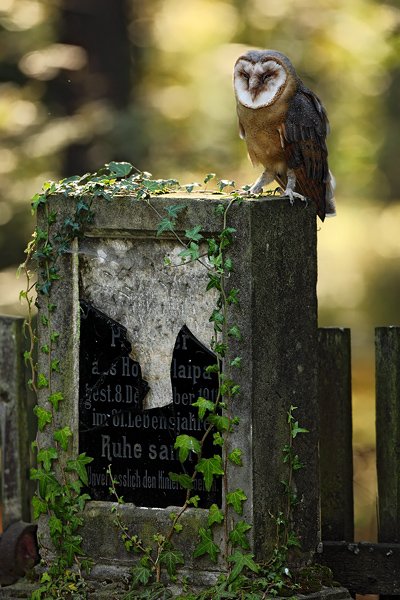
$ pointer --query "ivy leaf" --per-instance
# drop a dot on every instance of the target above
(206, 545)
(212, 247)
(236, 500)
(293, 541)
(174, 210)
(228, 266)
(234, 332)
(140, 574)
(203, 405)
(62, 436)
(186, 443)
(194, 500)
(241, 561)
(55, 398)
(232, 297)
(42, 381)
(72, 547)
(39, 507)
(37, 200)
(55, 526)
(45, 456)
(43, 416)
(81, 500)
(215, 515)
(165, 225)
(194, 234)
(238, 535)
(192, 252)
(171, 559)
(236, 362)
(218, 318)
(223, 183)
(215, 281)
(220, 422)
(295, 429)
(220, 348)
(49, 487)
(55, 365)
(76, 485)
(210, 467)
(119, 169)
(208, 177)
(218, 439)
(236, 456)
(184, 480)
(79, 466)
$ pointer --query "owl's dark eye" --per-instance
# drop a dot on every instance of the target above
(246, 76)
(266, 76)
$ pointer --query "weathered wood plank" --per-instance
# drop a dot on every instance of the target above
(363, 568)
(336, 459)
(15, 424)
(387, 345)
(387, 358)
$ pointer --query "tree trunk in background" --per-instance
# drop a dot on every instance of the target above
(101, 28)
(389, 154)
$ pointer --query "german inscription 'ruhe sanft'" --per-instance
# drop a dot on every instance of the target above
(114, 428)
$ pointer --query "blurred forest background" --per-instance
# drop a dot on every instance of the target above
(84, 82)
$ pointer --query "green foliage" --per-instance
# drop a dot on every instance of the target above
(184, 480)
(241, 561)
(204, 405)
(206, 545)
(171, 558)
(238, 535)
(215, 515)
(236, 500)
(185, 444)
(209, 468)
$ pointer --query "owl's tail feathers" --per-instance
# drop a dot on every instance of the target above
(330, 206)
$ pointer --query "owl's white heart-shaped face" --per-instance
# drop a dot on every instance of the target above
(257, 84)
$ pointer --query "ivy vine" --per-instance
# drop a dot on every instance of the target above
(62, 480)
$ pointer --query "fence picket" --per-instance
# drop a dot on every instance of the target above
(336, 460)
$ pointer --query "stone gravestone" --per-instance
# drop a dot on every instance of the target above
(134, 344)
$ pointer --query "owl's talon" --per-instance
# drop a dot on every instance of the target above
(292, 195)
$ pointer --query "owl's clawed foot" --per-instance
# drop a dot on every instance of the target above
(292, 195)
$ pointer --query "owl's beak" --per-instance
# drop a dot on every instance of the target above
(253, 93)
(253, 87)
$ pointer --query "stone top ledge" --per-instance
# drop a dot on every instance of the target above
(127, 215)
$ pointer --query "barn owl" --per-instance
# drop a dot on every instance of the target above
(285, 126)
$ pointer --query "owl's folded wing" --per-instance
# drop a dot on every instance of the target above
(303, 139)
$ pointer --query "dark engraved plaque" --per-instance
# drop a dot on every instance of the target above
(139, 444)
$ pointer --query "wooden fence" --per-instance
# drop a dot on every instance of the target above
(362, 567)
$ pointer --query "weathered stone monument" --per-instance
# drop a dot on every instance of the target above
(135, 349)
